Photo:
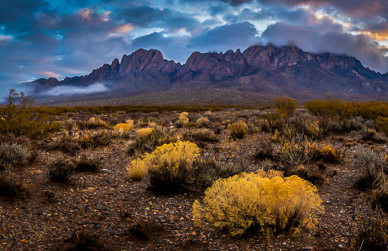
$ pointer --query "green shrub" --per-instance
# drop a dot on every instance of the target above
(336, 108)
(18, 117)
(285, 105)
(382, 124)
(263, 202)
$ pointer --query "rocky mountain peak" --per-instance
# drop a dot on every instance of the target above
(148, 69)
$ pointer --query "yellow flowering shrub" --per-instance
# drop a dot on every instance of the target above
(122, 127)
(168, 164)
(238, 130)
(171, 155)
(183, 119)
(250, 201)
(144, 133)
(184, 114)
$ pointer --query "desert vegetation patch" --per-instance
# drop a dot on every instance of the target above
(171, 178)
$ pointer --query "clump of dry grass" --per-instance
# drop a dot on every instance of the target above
(238, 130)
(202, 122)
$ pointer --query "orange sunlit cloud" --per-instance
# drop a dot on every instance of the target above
(124, 28)
(382, 36)
(50, 74)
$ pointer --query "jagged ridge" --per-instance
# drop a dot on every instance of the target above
(285, 68)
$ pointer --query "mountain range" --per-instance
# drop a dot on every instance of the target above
(256, 75)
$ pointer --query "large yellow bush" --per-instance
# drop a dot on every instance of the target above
(171, 155)
(167, 162)
(266, 203)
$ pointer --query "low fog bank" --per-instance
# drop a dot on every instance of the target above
(75, 90)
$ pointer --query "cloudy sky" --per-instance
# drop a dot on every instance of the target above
(48, 38)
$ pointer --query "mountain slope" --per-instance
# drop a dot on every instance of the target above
(259, 70)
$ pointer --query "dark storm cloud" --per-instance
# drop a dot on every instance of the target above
(237, 2)
(145, 16)
(55, 45)
(332, 39)
(270, 13)
(172, 47)
(222, 38)
(230, 2)
(19, 15)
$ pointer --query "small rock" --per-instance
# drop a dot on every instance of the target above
(104, 170)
